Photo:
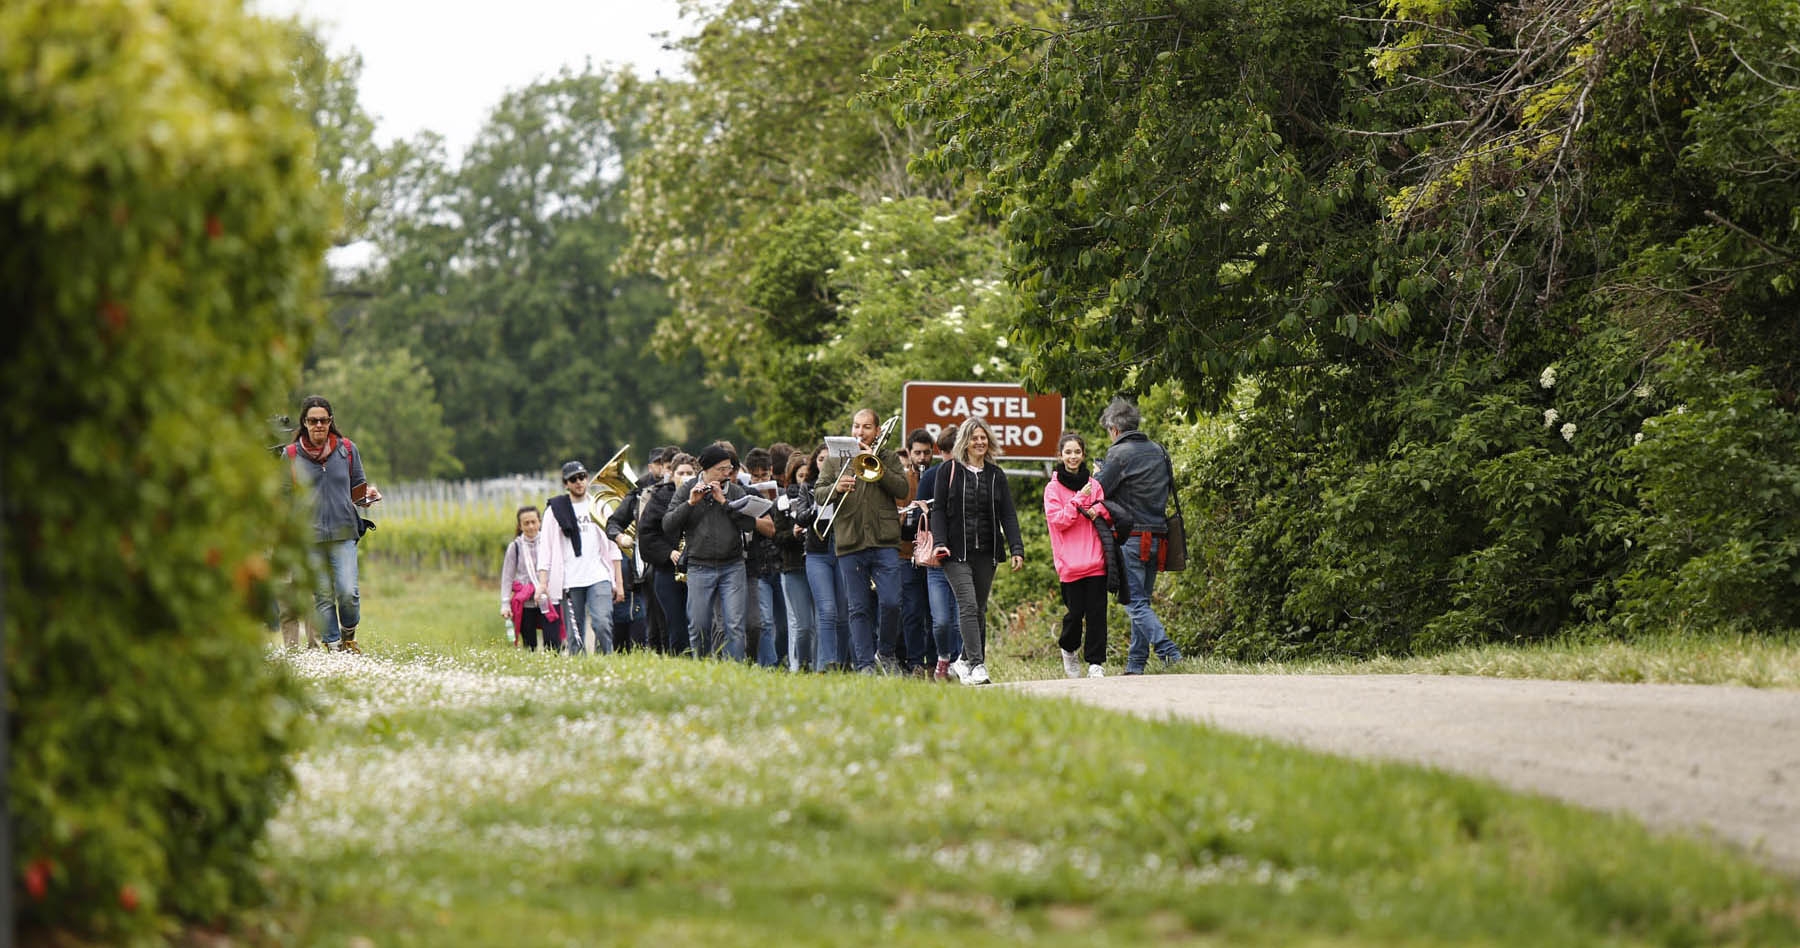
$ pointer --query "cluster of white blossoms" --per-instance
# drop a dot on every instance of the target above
(1550, 417)
(1568, 432)
(1547, 378)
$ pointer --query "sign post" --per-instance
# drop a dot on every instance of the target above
(1025, 425)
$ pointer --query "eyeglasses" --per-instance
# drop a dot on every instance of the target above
(572, 478)
(318, 421)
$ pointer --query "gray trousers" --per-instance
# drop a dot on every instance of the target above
(971, 581)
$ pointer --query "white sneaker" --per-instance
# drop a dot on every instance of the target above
(959, 670)
(1095, 671)
(1071, 664)
(977, 676)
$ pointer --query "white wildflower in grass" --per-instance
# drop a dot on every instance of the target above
(1001, 342)
(978, 368)
(1643, 390)
(1637, 438)
(865, 245)
(1224, 208)
(1547, 378)
(1568, 432)
(1550, 417)
(905, 274)
(943, 218)
(1680, 409)
(906, 347)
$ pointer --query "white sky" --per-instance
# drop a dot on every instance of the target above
(443, 65)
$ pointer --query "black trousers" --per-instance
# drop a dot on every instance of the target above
(532, 622)
(1086, 599)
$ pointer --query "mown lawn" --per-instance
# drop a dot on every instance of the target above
(459, 793)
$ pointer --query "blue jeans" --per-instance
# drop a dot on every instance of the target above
(718, 587)
(769, 645)
(915, 615)
(946, 638)
(827, 586)
(1146, 629)
(802, 628)
(336, 595)
(872, 614)
(582, 604)
(672, 596)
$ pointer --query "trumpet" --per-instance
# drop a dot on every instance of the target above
(866, 466)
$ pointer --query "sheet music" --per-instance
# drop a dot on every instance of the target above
(753, 505)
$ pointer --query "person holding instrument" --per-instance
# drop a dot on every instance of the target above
(866, 528)
(701, 511)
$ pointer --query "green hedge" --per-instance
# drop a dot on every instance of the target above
(161, 230)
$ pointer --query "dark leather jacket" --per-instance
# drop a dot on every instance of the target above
(715, 533)
(1135, 475)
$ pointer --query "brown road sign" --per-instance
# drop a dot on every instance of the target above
(1025, 425)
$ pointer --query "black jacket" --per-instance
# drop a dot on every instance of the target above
(950, 522)
(793, 548)
(1135, 475)
(715, 533)
(623, 519)
(655, 545)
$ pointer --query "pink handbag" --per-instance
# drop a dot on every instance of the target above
(923, 546)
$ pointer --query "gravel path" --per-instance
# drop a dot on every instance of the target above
(1712, 758)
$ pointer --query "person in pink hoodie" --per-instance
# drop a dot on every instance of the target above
(1073, 508)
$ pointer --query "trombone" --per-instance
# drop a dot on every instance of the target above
(868, 470)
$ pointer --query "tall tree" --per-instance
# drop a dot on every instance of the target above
(769, 144)
(497, 274)
(1445, 242)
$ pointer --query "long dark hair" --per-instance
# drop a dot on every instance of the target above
(796, 461)
(309, 403)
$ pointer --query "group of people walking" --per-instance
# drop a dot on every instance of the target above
(861, 558)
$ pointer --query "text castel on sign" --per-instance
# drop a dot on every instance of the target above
(1025, 425)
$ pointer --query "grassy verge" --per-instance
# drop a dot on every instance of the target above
(459, 793)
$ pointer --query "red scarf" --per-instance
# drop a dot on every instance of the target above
(318, 456)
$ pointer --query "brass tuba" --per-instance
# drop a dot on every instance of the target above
(607, 490)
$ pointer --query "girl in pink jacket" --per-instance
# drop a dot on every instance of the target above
(1072, 506)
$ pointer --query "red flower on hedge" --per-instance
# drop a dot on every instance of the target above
(116, 315)
(37, 878)
(128, 897)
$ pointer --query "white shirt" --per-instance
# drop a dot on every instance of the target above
(598, 552)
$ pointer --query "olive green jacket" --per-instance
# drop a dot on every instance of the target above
(867, 517)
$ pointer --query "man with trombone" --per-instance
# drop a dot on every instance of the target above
(866, 486)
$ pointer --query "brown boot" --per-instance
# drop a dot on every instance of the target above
(349, 642)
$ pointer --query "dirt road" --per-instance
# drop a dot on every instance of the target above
(1715, 759)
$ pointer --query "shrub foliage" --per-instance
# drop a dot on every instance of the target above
(162, 229)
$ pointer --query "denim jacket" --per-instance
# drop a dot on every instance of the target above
(1135, 475)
